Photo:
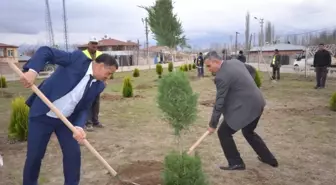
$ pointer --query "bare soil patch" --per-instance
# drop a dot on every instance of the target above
(113, 97)
(144, 86)
(194, 78)
(6, 94)
(141, 172)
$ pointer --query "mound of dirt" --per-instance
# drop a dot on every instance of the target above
(208, 103)
(113, 97)
(141, 172)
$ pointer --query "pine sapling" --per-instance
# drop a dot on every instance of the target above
(178, 103)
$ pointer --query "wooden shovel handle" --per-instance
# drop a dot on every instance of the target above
(64, 119)
(192, 148)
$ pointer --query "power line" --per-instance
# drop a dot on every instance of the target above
(308, 32)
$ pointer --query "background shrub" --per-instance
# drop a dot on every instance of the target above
(194, 66)
(127, 90)
(3, 82)
(181, 68)
(332, 102)
(189, 67)
(185, 67)
(159, 70)
(136, 72)
(258, 78)
(18, 126)
(170, 66)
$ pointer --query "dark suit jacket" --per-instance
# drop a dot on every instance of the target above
(251, 70)
(238, 98)
(241, 58)
(322, 58)
(72, 68)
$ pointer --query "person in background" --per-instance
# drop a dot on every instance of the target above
(241, 57)
(242, 104)
(93, 119)
(276, 64)
(226, 56)
(200, 65)
(322, 60)
(1, 161)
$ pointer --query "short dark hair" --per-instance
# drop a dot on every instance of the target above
(107, 59)
(240, 52)
(276, 50)
(212, 55)
(321, 44)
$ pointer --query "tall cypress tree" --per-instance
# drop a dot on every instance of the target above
(164, 24)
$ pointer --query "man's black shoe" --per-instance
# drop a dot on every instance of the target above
(98, 125)
(233, 167)
(273, 163)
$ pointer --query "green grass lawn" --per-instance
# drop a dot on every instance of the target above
(297, 126)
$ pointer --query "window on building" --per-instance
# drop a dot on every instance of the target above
(1, 52)
(10, 53)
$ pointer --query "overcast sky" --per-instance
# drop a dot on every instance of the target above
(23, 21)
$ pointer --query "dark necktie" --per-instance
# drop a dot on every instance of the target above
(88, 85)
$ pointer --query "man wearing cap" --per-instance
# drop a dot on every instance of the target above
(276, 64)
(92, 53)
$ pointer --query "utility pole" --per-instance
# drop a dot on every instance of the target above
(145, 21)
(236, 44)
(261, 21)
(253, 39)
(138, 52)
(230, 44)
(65, 27)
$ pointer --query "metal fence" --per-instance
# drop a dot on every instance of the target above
(139, 57)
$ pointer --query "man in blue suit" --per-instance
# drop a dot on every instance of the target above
(72, 88)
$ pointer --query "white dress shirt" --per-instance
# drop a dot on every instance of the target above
(66, 104)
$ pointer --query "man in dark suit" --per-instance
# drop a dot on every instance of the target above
(242, 104)
(72, 88)
(200, 65)
(241, 57)
(322, 60)
(276, 64)
(252, 70)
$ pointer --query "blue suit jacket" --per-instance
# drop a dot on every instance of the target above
(71, 69)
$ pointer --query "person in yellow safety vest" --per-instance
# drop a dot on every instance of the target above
(276, 64)
(92, 53)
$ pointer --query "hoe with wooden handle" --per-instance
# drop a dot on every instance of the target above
(68, 124)
(192, 148)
